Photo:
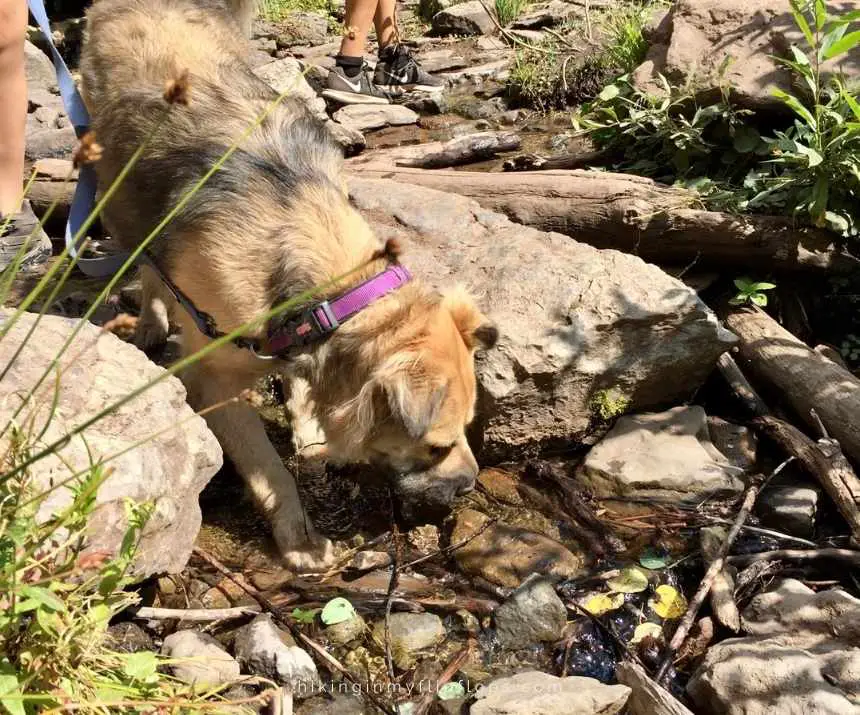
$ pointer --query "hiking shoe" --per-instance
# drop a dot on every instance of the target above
(353, 90)
(21, 233)
(398, 72)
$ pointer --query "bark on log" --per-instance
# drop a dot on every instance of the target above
(636, 215)
(804, 379)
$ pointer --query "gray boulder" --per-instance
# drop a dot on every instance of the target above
(575, 321)
(532, 614)
(199, 659)
(168, 470)
(667, 455)
(410, 633)
(789, 508)
(465, 18)
(287, 75)
(364, 117)
(49, 133)
(536, 693)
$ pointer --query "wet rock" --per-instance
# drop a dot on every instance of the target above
(533, 614)
(801, 657)
(495, 70)
(169, 470)
(506, 555)
(426, 102)
(442, 59)
(264, 650)
(666, 455)
(200, 659)
(716, 43)
(351, 139)
(302, 28)
(575, 320)
(467, 18)
(410, 634)
(338, 704)
(790, 509)
(346, 631)
(370, 560)
(539, 693)
(500, 485)
(424, 539)
(364, 117)
(286, 75)
(128, 637)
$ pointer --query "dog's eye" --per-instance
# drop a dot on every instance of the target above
(439, 452)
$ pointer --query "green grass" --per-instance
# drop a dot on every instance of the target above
(509, 10)
(623, 26)
(277, 10)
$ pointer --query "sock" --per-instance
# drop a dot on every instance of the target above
(351, 65)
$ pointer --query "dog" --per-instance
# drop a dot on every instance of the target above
(394, 385)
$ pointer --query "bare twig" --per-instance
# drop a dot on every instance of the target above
(764, 532)
(450, 671)
(705, 587)
(848, 556)
(450, 548)
(392, 587)
(196, 615)
(723, 586)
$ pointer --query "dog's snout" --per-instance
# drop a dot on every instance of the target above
(467, 484)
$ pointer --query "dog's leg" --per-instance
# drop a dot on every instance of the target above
(308, 438)
(153, 325)
(242, 436)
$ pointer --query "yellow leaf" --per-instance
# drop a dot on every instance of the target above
(668, 604)
(646, 630)
(602, 603)
(630, 580)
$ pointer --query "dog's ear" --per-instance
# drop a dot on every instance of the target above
(413, 402)
(477, 330)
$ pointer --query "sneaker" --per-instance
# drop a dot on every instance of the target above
(398, 72)
(22, 233)
(353, 90)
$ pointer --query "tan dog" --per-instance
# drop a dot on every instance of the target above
(395, 384)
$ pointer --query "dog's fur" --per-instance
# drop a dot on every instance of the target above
(394, 385)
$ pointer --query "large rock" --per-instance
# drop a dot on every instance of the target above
(49, 133)
(302, 28)
(574, 320)
(532, 614)
(177, 458)
(364, 117)
(410, 633)
(506, 555)
(535, 693)
(802, 657)
(287, 75)
(199, 660)
(466, 18)
(711, 43)
(667, 455)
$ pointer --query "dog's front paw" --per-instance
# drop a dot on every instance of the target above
(302, 548)
(151, 331)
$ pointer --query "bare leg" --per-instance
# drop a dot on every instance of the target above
(240, 431)
(13, 103)
(385, 23)
(359, 16)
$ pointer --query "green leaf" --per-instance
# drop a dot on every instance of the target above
(763, 286)
(337, 610)
(609, 92)
(44, 597)
(743, 284)
(602, 603)
(451, 691)
(746, 140)
(820, 196)
(836, 34)
(10, 689)
(820, 14)
(759, 299)
(800, 21)
(141, 666)
(646, 630)
(653, 559)
(630, 580)
(812, 156)
(739, 299)
(794, 103)
(847, 43)
(305, 616)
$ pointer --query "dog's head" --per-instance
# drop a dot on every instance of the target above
(412, 413)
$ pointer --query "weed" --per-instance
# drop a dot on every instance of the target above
(509, 10)
(276, 10)
(609, 403)
(751, 292)
(626, 47)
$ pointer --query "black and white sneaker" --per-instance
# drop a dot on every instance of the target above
(398, 72)
(23, 240)
(353, 90)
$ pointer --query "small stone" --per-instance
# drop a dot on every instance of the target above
(365, 117)
(207, 664)
(532, 614)
(286, 75)
(215, 598)
(263, 650)
(351, 139)
(500, 485)
(738, 444)
(467, 18)
(539, 693)
(370, 560)
(469, 621)
(506, 555)
(791, 509)
(424, 539)
(346, 631)
(410, 633)
(128, 637)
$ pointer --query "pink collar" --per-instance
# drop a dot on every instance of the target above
(320, 319)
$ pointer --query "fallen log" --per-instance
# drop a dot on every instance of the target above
(629, 213)
(805, 379)
(536, 162)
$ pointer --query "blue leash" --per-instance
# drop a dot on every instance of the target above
(85, 192)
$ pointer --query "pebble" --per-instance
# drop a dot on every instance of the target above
(207, 664)
(346, 631)
(370, 560)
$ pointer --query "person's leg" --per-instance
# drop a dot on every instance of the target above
(359, 16)
(13, 103)
(385, 24)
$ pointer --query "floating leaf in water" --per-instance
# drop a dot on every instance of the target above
(603, 603)
(337, 610)
(451, 691)
(653, 559)
(668, 603)
(631, 580)
(646, 630)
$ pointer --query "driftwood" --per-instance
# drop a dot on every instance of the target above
(646, 698)
(536, 162)
(636, 215)
(196, 615)
(467, 149)
(723, 587)
(804, 379)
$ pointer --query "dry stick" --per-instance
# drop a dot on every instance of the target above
(716, 566)
(450, 671)
(764, 532)
(389, 597)
(849, 556)
(327, 658)
(451, 547)
(196, 615)
(741, 387)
